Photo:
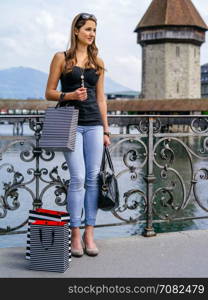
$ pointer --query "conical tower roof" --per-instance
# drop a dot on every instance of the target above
(171, 13)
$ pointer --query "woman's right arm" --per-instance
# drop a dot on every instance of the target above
(51, 92)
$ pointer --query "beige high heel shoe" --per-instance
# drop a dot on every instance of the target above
(89, 251)
(77, 252)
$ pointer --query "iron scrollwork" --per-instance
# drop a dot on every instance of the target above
(157, 174)
(169, 198)
(133, 202)
(32, 153)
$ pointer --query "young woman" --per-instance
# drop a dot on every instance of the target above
(81, 73)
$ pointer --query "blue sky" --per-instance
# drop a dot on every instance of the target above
(32, 31)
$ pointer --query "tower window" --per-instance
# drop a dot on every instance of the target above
(177, 51)
(177, 87)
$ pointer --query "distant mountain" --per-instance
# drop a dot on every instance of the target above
(22, 83)
(28, 83)
(112, 86)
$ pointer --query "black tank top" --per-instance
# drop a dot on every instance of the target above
(89, 113)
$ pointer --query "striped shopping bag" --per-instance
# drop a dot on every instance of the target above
(49, 246)
(50, 215)
(59, 128)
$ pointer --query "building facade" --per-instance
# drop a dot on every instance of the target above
(204, 81)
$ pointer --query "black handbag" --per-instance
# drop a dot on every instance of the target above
(108, 186)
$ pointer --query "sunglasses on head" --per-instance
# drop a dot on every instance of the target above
(86, 16)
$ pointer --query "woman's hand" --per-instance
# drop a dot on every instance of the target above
(106, 140)
(80, 94)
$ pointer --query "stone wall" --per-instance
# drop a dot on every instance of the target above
(171, 70)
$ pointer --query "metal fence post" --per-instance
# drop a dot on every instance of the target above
(37, 203)
(149, 178)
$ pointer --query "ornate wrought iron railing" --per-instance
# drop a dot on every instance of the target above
(161, 163)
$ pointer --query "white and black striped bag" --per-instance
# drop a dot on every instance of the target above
(59, 128)
(49, 246)
(50, 215)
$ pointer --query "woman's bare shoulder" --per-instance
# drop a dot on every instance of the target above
(58, 60)
(59, 55)
(100, 61)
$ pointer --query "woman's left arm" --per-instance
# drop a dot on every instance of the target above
(101, 101)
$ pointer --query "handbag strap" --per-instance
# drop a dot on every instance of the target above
(106, 154)
(102, 166)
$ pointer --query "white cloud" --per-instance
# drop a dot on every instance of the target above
(8, 43)
(56, 40)
(126, 70)
(44, 19)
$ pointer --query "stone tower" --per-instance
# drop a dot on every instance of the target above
(171, 33)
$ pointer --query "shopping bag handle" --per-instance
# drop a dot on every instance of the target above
(41, 239)
(58, 104)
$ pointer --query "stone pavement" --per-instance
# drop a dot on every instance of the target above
(169, 255)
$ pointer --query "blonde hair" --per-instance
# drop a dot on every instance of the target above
(92, 49)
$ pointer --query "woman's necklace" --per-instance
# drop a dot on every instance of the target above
(82, 76)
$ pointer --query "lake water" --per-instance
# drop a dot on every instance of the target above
(16, 217)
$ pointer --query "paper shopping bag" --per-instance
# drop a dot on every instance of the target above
(49, 248)
(59, 128)
(46, 214)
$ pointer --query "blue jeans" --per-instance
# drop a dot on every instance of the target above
(84, 166)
